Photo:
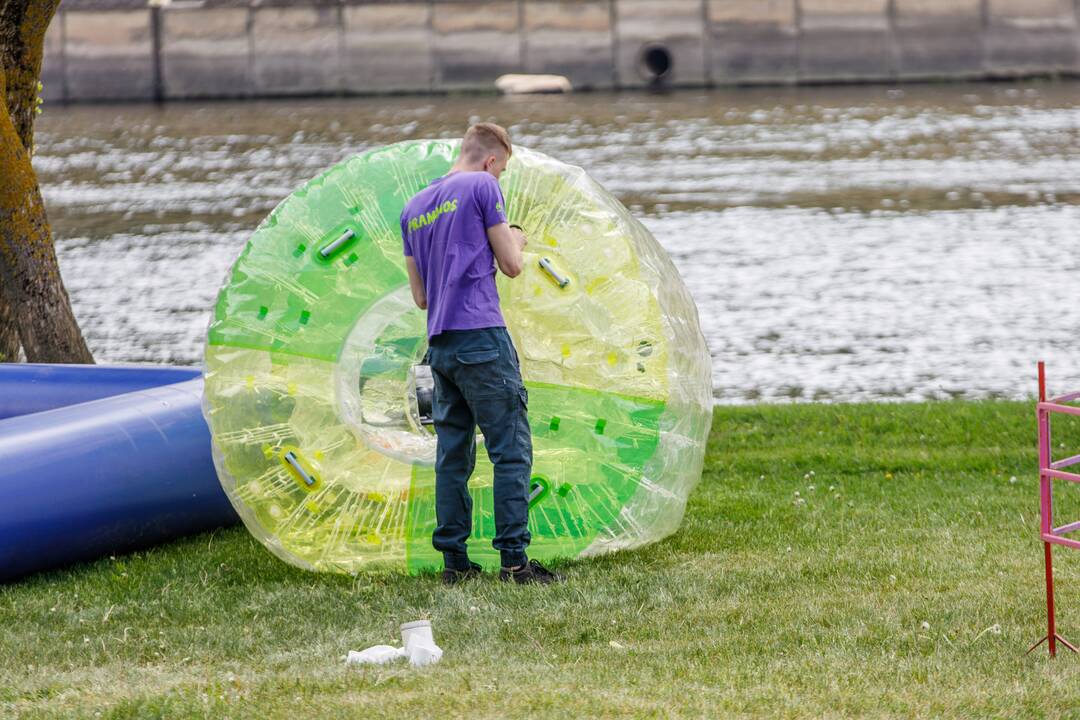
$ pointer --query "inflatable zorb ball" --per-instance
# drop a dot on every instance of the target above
(316, 400)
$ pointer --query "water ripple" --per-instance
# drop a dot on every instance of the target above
(843, 244)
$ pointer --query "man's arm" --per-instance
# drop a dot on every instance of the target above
(507, 244)
(415, 283)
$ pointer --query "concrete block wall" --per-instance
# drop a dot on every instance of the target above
(752, 40)
(938, 38)
(832, 32)
(571, 38)
(646, 30)
(129, 50)
(296, 50)
(108, 55)
(475, 42)
(1022, 36)
(387, 48)
(206, 52)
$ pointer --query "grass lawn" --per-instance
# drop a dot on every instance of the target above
(870, 560)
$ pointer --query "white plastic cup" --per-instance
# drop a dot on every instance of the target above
(422, 653)
(417, 632)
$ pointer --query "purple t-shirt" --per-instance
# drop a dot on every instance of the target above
(445, 230)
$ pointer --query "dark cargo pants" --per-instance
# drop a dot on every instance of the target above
(478, 382)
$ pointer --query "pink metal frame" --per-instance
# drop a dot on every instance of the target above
(1050, 470)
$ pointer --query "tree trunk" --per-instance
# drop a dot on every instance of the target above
(9, 333)
(30, 284)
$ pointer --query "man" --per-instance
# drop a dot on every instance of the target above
(455, 231)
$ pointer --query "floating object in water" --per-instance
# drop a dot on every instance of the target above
(316, 399)
(517, 84)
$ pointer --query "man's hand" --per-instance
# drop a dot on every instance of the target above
(519, 235)
(507, 243)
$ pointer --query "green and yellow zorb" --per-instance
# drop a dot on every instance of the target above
(312, 370)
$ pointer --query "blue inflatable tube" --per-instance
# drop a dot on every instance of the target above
(106, 476)
(29, 388)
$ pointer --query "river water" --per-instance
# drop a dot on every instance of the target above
(842, 244)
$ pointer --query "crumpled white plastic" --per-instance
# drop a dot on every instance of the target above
(418, 653)
(374, 655)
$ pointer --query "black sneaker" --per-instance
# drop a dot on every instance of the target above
(529, 573)
(453, 577)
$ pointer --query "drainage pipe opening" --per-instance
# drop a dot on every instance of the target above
(655, 62)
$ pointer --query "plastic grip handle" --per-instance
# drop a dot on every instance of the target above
(336, 245)
(560, 279)
(539, 488)
(294, 463)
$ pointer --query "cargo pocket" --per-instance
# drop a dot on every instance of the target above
(523, 433)
(479, 373)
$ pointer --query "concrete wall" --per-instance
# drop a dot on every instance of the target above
(387, 48)
(574, 39)
(475, 42)
(676, 25)
(939, 38)
(835, 32)
(1025, 35)
(108, 55)
(296, 50)
(127, 49)
(753, 40)
(206, 52)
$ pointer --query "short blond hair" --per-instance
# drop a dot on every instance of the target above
(483, 139)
